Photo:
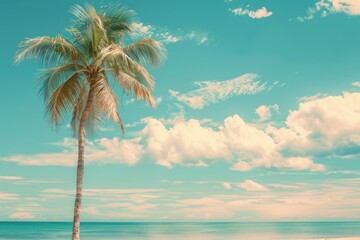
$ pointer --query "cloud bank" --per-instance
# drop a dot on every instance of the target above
(319, 128)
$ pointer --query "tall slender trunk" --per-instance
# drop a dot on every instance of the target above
(80, 165)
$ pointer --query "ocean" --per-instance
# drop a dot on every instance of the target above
(188, 231)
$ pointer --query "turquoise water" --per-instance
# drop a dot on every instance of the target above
(188, 231)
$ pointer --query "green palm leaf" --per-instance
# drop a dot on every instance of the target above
(64, 97)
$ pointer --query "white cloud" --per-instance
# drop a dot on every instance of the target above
(113, 202)
(311, 98)
(97, 192)
(10, 178)
(20, 180)
(158, 100)
(251, 186)
(356, 84)
(284, 186)
(163, 34)
(265, 112)
(22, 215)
(195, 102)
(320, 127)
(315, 201)
(102, 151)
(325, 127)
(208, 92)
(132, 207)
(326, 7)
(190, 143)
(259, 13)
(93, 211)
(167, 38)
(142, 29)
(351, 7)
(227, 185)
(185, 142)
(8, 196)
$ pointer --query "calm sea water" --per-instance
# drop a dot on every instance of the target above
(188, 231)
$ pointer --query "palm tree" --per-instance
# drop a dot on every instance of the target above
(81, 70)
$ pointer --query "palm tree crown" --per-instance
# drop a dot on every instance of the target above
(93, 58)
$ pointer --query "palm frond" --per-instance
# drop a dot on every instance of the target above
(53, 77)
(135, 87)
(89, 27)
(81, 42)
(114, 57)
(50, 50)
(63, 98)
(145, 51)
(117, 21)
(106, 101)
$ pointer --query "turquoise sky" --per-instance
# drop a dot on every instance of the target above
(258, 118)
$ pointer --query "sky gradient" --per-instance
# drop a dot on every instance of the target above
(257, 118)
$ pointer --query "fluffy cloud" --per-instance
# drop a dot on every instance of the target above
(320, 127)
(259, 13)
(185, 141)
(251, 186)
(265, 112)
(323, 127)
(351, 7)
(209, 92)
(190, 143)
(326, 7)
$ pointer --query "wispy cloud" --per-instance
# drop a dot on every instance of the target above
(101, 151)
(311, 98)
(337, 200)
(356, 84)
(10, 178)
(209, 92)
(22, 215)
(256, 14)
(163, 34)
(251, 186)
(20, 180)
(131, 195)
(8, 196)
(324, 8)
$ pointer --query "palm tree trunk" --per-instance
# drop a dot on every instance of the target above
(80, 166)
